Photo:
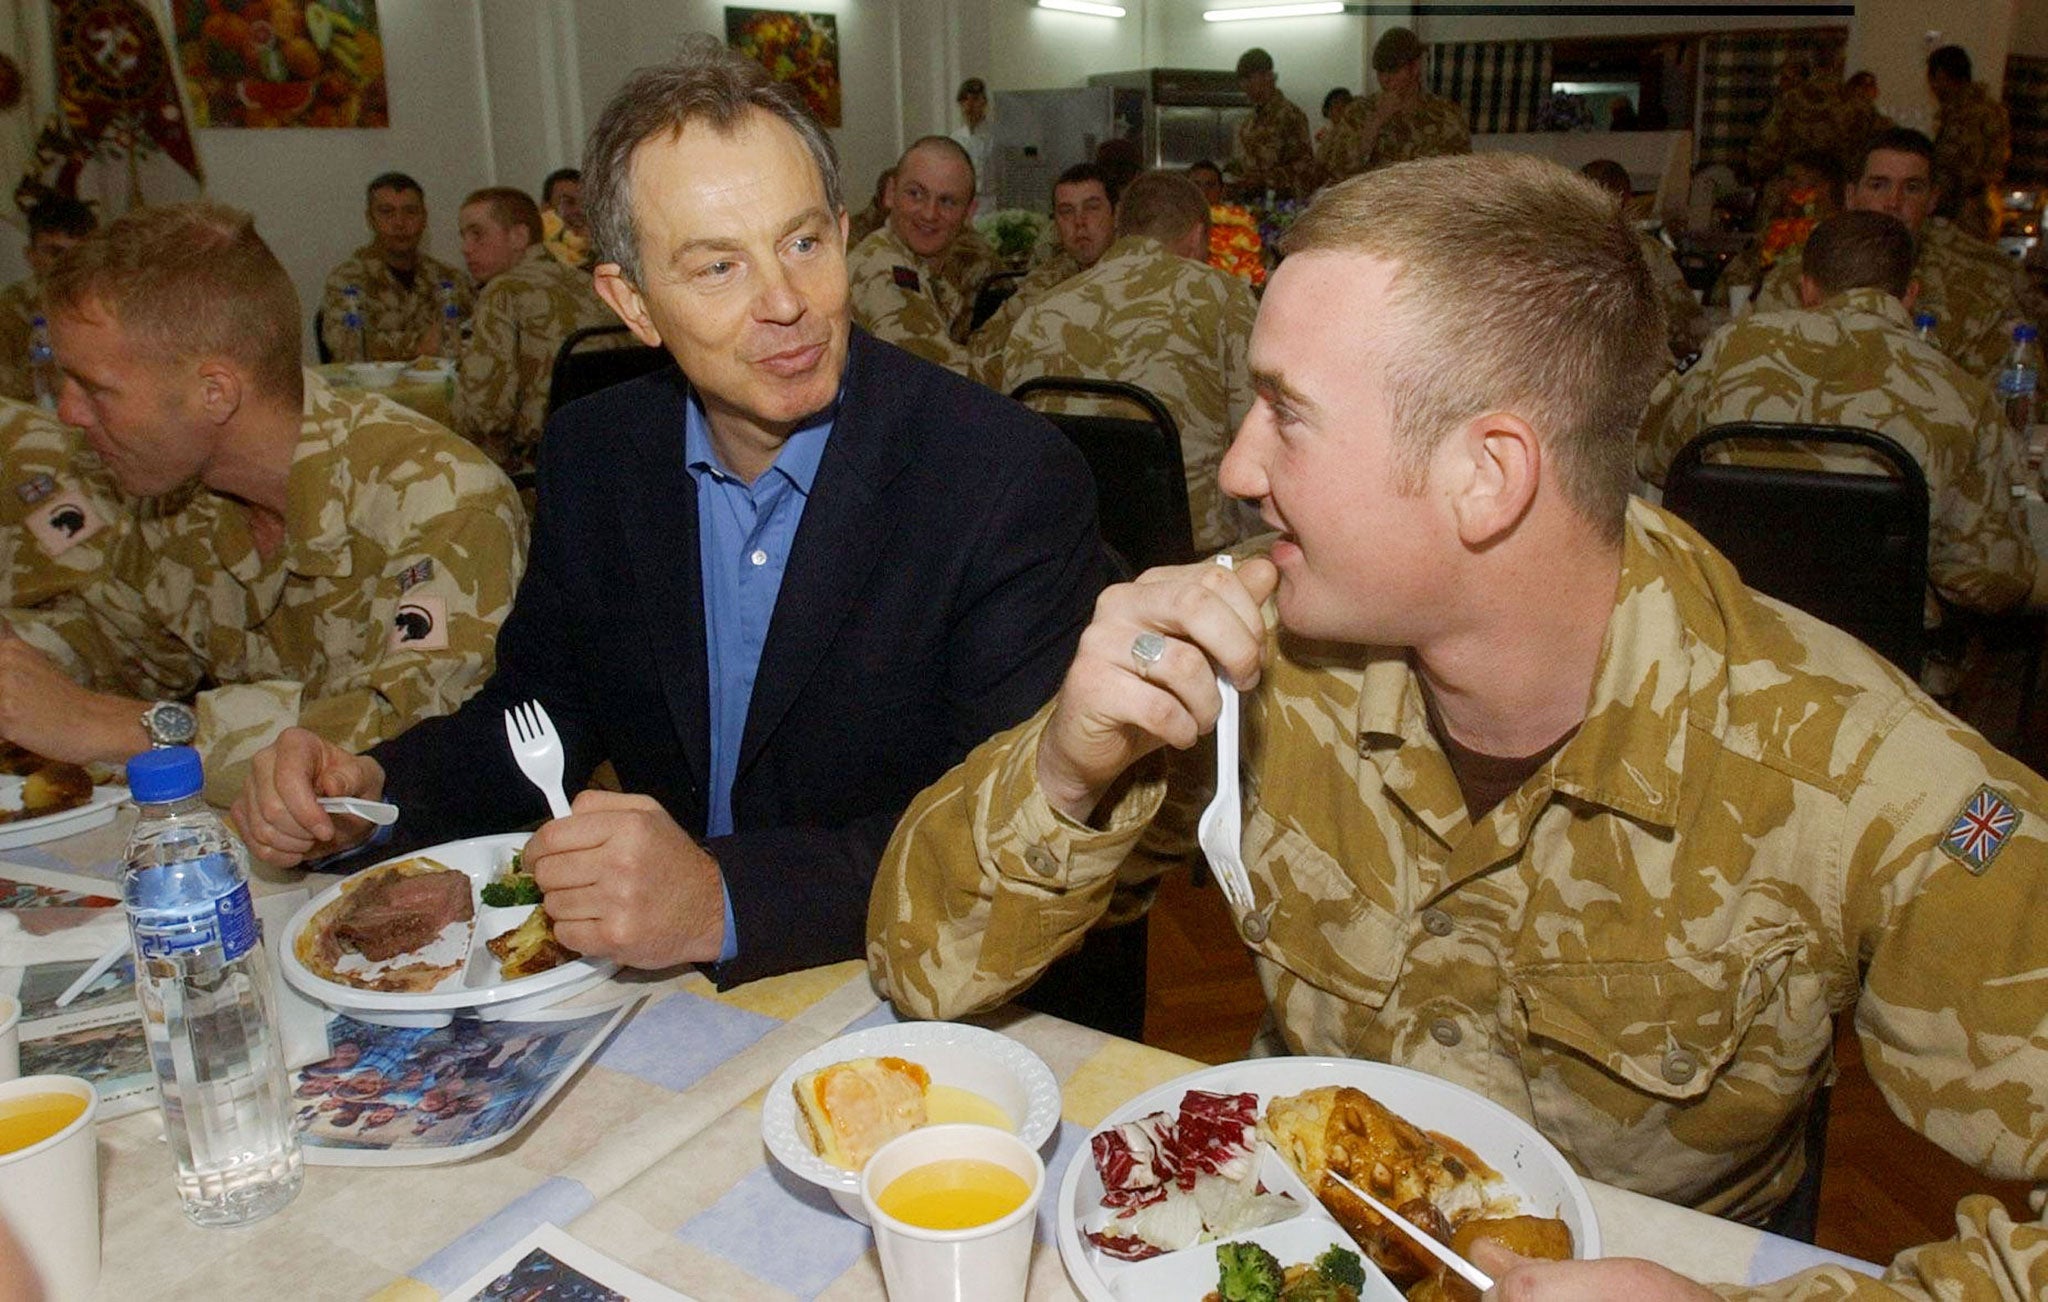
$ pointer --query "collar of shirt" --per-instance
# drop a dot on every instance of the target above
(797, 461)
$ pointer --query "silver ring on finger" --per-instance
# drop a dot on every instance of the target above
(1147, 649)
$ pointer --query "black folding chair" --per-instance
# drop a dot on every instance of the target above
(320, 348)
(1847, 548)
(1141, 487)
(593, 359)
(992, 294)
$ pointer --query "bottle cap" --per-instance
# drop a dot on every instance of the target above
(2023, 333)
(157, 777)
(1923, 321)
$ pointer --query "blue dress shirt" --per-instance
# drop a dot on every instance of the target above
(744, 533)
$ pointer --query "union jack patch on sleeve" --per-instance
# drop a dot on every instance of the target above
(1983, 826)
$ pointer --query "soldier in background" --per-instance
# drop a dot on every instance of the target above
(402, 291)
(1333, 104)
(564, 227)
(1084, 223)
(1972, 143)
(342, 564)
(1809, 116)
(54, 225)
(1685, 321)
(914, 280)
(1153, 313)
(1539, 797)
(1273, 150)
(870, 219)
(1208, 178)
(1396, 123)
(977, 135)
(528, 305)
(1968, 285)
(1848, 356)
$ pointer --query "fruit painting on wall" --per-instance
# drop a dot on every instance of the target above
(282, 63)
(801, 49)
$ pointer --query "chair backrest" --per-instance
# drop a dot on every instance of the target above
(995, 290)
(1141, 488)
(1848, 548)
(593, 359)
(320, 348)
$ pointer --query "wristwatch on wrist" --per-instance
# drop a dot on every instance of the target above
(170, 724)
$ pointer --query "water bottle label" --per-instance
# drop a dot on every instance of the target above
(228, 921)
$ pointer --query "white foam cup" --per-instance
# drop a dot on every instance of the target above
(50, 1193)
(10, 1038)
(1738, 301)
(983, 1263)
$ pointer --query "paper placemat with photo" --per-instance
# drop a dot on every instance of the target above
(549, 1264)
(414, 1096)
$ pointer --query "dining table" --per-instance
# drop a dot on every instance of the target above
(434, 399)
(653, 1157)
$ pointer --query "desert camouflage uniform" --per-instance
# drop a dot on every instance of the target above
(1854, 361)
(986, 344)
(1972, 145)
(403, 546)
(915, 303)
(1178, 329)
(60, 513)
(19, 304)
(1273, 150)
(1639, 952)
(1967, 284)
(395, 319)
(1685, 321)
(865, 223)
(501, 384)
(1434, 126)
(1814, 117)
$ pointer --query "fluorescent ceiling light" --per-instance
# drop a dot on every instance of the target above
(1083, 7)
(1318, 10)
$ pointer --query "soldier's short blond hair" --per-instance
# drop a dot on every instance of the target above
(705, 83)
(1518, 288)
(190, 280)
(1163, 205)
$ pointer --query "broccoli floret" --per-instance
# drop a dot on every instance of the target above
(1247, 1273)
(1341, 1265)
(512, 889)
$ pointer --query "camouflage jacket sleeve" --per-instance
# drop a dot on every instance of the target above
(1780, 289)
(984, 884)
(476, 553)
(485, 406)
(906, 315)
(1980, 555)
(1673, 417)
(1992, 1258)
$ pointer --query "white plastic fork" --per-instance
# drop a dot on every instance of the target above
(1470, 1273)
(538, 748)
(1221, 829)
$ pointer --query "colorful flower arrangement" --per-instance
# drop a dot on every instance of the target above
(1234, 243)
(1013, 232)
(1802, 212)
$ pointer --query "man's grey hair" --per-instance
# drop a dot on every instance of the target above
(707, 83)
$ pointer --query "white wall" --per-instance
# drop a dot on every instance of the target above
(1040, 49)
(1892, 38)
(2030, 28)
(305, 186)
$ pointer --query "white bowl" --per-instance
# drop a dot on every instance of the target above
(427, 370)
(376, 375)
(967, 1057)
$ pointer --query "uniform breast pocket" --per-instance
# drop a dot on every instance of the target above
(1717, 1050)
(1315, 921)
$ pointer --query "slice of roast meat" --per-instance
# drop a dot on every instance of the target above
(392, 916)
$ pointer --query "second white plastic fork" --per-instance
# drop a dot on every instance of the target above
(1221, 829)
(538, 748)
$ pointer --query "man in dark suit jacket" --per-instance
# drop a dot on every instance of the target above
(942, 561)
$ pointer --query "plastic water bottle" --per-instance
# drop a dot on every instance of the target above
(1923, 326)
(352, 322)
(2018, 378)
(42, 364)
(203, 980)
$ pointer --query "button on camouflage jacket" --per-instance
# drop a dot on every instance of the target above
(395, 319)
(1854, 361)
(1178, 329)
(403, 546)
(1759, 825)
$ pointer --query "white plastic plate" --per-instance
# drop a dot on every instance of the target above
(483, 858)
(96, 812)
(1526, 1160)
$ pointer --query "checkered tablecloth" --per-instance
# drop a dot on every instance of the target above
(653, 1156)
